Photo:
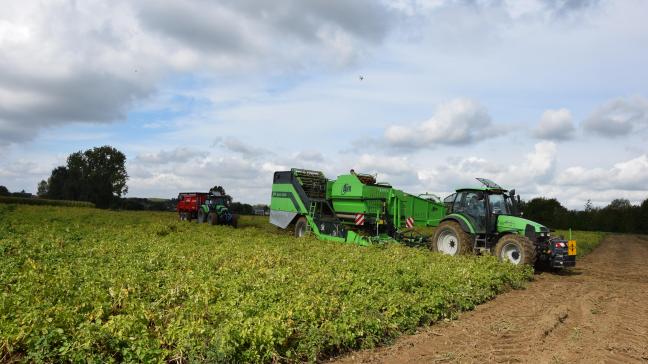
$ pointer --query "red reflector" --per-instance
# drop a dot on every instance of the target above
(560, 245)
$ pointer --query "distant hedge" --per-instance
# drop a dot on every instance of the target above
(40, 201)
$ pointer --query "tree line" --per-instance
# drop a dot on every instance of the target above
(98, 175)
(619, 216)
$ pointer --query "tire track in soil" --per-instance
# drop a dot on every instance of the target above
(597, 313)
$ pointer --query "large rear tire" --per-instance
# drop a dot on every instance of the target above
(234, 221)
(449, 238)
(515, 249)
(300, 227)
(213, 218)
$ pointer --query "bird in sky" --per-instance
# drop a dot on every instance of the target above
(361, 77)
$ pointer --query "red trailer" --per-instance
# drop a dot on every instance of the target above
(189, 203)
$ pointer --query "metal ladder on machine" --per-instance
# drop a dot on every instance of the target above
(312, 209)
(480, 241)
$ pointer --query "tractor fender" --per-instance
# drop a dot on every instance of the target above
(462, 221)
(530, 233)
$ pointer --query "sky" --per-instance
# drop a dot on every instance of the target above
(549, 97)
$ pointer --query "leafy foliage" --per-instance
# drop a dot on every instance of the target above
(97, 175)
(41, 190)
(104, 286)
(619, 216)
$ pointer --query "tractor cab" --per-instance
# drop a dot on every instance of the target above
(217, 199)
(482, 206)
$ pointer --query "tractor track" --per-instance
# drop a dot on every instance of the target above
(596, 313)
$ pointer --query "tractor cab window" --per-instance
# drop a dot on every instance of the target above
(449, 201)
(499, 204)
(217, 201)
(471, 204)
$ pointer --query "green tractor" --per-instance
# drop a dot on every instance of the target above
(488, 220)
(215, 209)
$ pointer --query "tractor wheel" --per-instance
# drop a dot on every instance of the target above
(300, 227)
(515, 249)
(202, 217)
(213, 218)
(181, 216)
(450, 239)
(234, 221)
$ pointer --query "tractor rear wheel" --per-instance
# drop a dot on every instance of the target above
(300, 227)
(515, 249)
(213, 218)
(449, 238)
(234, 221)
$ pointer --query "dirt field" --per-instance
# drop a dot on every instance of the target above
(597, 313)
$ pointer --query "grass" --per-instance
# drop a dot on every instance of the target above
(91, 285)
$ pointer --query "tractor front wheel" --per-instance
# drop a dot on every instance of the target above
(202, 216)
(213, 218)
(450, 239)
(515, 249)
(300, 227)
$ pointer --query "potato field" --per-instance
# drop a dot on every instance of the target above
(82, 284)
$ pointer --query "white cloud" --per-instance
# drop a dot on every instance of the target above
(309, 156)
(93, 61)
(246, 180)
(619, 117)
(555, 125)
(458, 122)
(235, 145)
(631, 175)
(282, 76)
(177, 155)
(537, 167)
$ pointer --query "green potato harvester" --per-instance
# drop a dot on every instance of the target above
(355, 208)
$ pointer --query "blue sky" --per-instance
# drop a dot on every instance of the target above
(545, 96)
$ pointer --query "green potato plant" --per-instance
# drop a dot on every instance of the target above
(88, 285)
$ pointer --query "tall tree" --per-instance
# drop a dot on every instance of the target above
(97, 175)
(643, 217)
(4, 191)
(547, 211)
(41, 191)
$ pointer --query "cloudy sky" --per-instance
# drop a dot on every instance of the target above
(547, 96)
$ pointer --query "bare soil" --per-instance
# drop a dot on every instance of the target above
(597, 312)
